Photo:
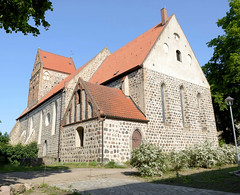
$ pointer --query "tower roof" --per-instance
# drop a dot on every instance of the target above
(56, 62)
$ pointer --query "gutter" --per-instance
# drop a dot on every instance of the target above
(123, 118)
(121, 75)
(38, 105)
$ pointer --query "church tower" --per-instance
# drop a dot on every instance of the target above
(49, 70)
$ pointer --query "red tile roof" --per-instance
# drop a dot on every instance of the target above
(128, 57)
(112, 102)
(56, 62)
(122, 60)
(56, 89)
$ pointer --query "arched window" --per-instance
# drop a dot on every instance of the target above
(69, 116)
(179, 56)
(46, 76)
(201, 112)
(84, 105)
(163, 102)
(78, 105)
(47, 119)
(90, 110)
(45, 148)
(79, 139)
(136, 139)
(54, 118)
(165, 47)
(176, 36)
(22, 137)
(182, 104)
(40, 128)
(30, 128)
(199, 103)
(73, 109)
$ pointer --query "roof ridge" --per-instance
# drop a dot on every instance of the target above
(160, 24)
(129, 56)
(55, 54)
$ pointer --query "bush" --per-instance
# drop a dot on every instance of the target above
(206, 156)
(202, 155)
(228, 154)
(178, 160)
(18, 152)
(149, 160)
(14, 154)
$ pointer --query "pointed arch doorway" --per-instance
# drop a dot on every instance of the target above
(136, 139)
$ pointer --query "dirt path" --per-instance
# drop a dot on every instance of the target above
(100, 182)
(64, 176)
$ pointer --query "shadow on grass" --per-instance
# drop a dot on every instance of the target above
(219, 179)
(11, 174)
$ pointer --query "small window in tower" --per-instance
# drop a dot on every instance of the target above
(179, 56)
(46, 76)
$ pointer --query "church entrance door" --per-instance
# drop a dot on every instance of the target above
(136, 139)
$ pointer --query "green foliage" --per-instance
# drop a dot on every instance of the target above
(149, 160)
(16, 15)
(178, 161)
(202, 155)
(18, 152)
(4, 138)
(223, 70)
(13, 154)
(221, 142)
(113, 164)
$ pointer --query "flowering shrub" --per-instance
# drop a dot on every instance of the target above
(149, 160)
(227, 154)
(202, 155)
(205, 155)
(178, 160)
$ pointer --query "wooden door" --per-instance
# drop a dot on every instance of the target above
(136, 139)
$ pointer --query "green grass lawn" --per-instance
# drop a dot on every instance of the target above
(59, 166)
(215, 179)
(16, 168)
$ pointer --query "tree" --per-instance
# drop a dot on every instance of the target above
(223, 70)
(4, 138)
(16, 15)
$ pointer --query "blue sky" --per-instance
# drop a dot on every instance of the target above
(82, 28)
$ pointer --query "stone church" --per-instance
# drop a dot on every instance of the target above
(152, 89)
